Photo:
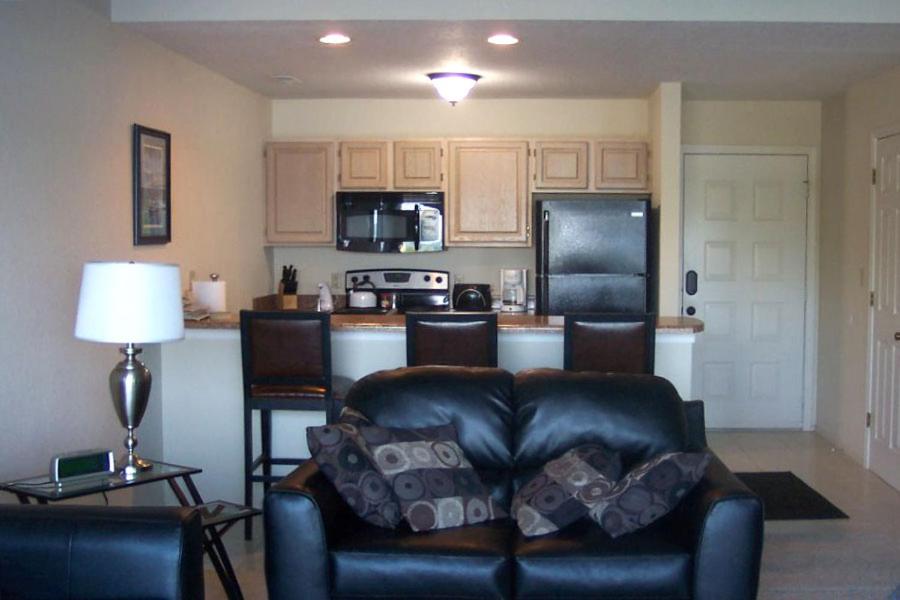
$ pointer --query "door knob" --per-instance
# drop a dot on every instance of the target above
(690, 310)
(897, 336)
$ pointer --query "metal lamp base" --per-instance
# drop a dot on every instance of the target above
(129, 385)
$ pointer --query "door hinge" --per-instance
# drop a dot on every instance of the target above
(868, 420)
(871, 298)
(874, 176)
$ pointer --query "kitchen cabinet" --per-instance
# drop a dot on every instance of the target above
(620, 166)
(300, 193)
(487, 199)
(418, 165)
(363, 165)
(561, 165)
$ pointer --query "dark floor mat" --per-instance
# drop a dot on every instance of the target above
(786, 497)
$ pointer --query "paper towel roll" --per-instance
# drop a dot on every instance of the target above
(210, 295)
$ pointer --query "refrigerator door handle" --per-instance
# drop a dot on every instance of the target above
(545, 246)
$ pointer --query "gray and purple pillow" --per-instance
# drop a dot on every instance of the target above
(649, 491)
(565, 489)
(343, 460)
(430, 476)
(585, 481)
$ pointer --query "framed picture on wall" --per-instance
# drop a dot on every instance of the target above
(152, 174)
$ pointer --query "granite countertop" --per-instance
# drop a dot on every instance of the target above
(505, 322)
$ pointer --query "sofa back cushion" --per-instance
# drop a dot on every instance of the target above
(638, 416)
(477, 401)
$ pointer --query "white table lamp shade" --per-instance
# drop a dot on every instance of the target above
(127, 302)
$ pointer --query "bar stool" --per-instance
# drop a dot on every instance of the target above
(611, 343)
(286, 358)
(457, 339)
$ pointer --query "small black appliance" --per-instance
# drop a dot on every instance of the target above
(472, 296)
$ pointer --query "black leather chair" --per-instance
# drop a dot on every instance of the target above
(455, 339)
(708, 548)
(286, 358)
(609, 343)
(123, 553)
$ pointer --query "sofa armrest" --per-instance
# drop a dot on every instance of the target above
(83, 551)
(302, 512)
(723, 521)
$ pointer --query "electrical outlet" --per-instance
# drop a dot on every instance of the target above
(336, 281)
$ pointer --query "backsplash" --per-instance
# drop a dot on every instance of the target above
(472, 265)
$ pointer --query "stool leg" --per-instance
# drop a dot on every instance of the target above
(248, 472)
(265, 428)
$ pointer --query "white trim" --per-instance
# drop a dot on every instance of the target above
(811, 320)
(878, 134)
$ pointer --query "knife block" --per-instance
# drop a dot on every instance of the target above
(287, 301)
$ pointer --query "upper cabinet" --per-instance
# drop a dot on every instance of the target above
(487, 200)
(300, 193)
(561, 165)
(363, 165)
(620, 166)
(417, 165)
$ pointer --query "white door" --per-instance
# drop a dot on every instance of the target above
(884, 383)
(745, 239)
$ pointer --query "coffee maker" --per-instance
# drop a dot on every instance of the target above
(513, 290)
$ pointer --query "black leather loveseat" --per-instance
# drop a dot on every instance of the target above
(709, 547)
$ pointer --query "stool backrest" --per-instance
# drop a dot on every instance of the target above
(456, 339)
(609, 343)
(286, 348)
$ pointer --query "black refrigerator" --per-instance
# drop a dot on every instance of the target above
(593, 253)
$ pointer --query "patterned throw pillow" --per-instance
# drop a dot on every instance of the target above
(649, 492)
(430, 476)
(342, 459)
(353, 416)
(565, 489)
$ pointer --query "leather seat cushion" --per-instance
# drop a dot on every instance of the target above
(582, 561)
(464, 562)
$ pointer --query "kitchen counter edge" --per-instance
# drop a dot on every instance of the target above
(505, 322)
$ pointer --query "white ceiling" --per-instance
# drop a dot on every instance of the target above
(555, 59)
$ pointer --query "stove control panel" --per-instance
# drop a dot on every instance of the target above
(398, 279)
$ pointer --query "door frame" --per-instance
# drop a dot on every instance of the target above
(877, 134)
(811, 293)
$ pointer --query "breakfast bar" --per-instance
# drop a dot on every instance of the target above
(199, 389)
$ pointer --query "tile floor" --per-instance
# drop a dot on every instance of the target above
(856, 559)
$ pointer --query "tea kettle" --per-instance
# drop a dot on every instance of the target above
(360, 298)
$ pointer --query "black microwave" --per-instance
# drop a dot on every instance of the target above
(390, 221)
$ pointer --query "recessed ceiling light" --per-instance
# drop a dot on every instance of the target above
(335, 39)
(286, 79)
(503, 39)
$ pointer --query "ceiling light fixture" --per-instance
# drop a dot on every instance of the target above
(503, 39)
(453, 87)
(335, 39)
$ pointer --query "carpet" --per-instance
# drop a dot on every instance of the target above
(785, 497)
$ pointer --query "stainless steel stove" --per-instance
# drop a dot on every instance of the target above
(401, 290)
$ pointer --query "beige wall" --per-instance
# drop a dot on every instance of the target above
(848, 124)
(71, 85)
(666, 123)
(395, 119)
(752, 123)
